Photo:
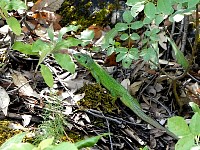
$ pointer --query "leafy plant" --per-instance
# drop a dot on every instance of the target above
(15, 143)
(9, 5)
(44, 49)
(189, 134)
(155, 13)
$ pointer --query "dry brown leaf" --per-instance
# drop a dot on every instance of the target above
(24, 87)
(48, 5)
(4, 100)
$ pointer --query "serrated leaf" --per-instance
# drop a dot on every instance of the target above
(194, 124)
(127, 17)
(47, 75)
(185, 143)
(164, 6)
(135, 36)
(124, 36)
(179, 55)
(150, 10)
(178, 126)
(121, 26)
(136, 25)
(14, 25)
(65, 61)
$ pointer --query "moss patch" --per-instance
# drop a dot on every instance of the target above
(98, 98)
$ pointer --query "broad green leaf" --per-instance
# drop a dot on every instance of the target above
(39, 46)
(150, 10)
(194, 124)
(87, 34)
(147, 20)
(185, 143)
(89, 142)
(192, 3)
(15, 5)
(121, 50)
(133, 2)
(135, 36)
(148, 54)
(154, 37)
(124, 36)
(159, 18)
(108, 39)
(136, 25)
(65, 61)
(179, 55)
(134, 53)
(120, 56)
(164, 6)
(121, 26)
(64, 44)
(155, 31)
(127, 61)
(45, 143)
(195, 107)
(50, 34)
(47, 75)
(178, 126)
(24, 48)
(20, 146)
(13, 140)
(136, 8)
(110, 50)
(65, 145)
(14, 25)
(127, 17)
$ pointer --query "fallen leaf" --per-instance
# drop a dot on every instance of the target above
(4, 100)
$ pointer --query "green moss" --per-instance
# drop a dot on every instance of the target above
(98, 98)
(78, 13)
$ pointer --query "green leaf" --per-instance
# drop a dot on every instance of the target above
(127, 17)
(133, 2)
(195, 107)
(147, 20)
(150, 10)
(45, 143)
(64, 145)
(39, 46)
(65, 61)
(127, 61)
(154, 37)
(108, 39)
(137, 8)
(179, 55)
(21, 146)
(47, 75)
(178, 126)
(185, 143)
(14, 25)
(124, 36)
(194, 124)
(159, 18)
(136, 25)
(110, 50)
(15, 5)
(64, 44)
(192, 3)
(13, 140)
(135, 36)
(148, 54)
(24, 48)
(121, 26)
(50, 34)
(89, 142)
(87, 34)
(165, 7)
(134, 53)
